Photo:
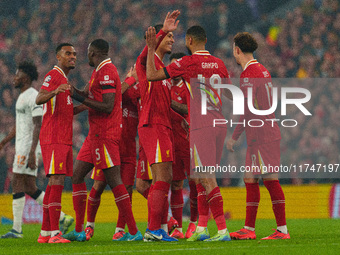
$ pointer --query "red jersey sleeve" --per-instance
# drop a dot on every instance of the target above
(176, 68)
(51, 82)
(107, 80)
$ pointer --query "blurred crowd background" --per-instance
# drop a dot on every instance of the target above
(297, 39)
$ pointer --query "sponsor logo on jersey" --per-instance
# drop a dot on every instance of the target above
(106, 78)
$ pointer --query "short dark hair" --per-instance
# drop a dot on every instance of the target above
(198, 33)
(177, 55)
(100, 45)
(246, 42)
(59, 47)
(30, 69)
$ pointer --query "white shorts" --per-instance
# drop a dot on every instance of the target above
(20, 164)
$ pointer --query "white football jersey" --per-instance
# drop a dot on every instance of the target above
(26, 109)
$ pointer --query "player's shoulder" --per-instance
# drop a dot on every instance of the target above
(32, 91)
(256, 70)
(108, 68)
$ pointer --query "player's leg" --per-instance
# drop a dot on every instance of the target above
(251, 182)
(176, 204)
(122, 198)
(143, 187)
(128, 170)
(18, 186)
(93, 203)
(271, 182)
(193, 207)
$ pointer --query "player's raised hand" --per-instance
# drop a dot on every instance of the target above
(150, 36)
(170, 23)
(230, 145)
(132, 73)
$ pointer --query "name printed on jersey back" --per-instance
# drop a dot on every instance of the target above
(209, 65)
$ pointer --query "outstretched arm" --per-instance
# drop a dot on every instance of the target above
(152, 74)
(44, 95)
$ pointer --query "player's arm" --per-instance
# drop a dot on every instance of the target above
(236, 134)
(130, 80)
(152, 74)
(169, 25)
(79, 108)
(35, 138)
(8, 138)
(105, 106)
(178, 107)
(44, 96)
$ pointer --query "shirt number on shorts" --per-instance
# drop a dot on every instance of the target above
(97, 154)
(253, 160)
(21, 160)
(142, 164)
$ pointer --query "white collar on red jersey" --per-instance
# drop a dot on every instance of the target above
(251, 62)
(201, 52)
(103, 63)
(60, 70)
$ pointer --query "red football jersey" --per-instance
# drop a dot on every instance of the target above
(155, 95)
(205, 68)
(130, 123)
(57, 121)
(104, 80)
(179, 93)
(257, 76)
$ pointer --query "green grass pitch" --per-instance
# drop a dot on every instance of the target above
(308, 236)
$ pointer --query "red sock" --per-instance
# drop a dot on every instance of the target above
(215, 201)
(122, 199)
(158, 198)
(149, 202)
(193, 201)
(93, 202)
(253, 199)
(46, 226)
(278, 201)
(202, 205)
(177, 204)
(165, 212)
(79, 196)
(121, 221)
(54, 205)
(146, 192)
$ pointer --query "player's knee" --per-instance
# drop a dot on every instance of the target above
(176, 185)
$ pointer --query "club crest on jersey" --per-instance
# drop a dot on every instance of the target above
(47, 79)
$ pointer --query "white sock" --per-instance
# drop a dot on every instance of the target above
(45, 233)
(55, 232)
(165, 227)
(199, 229)
(40, 198)
(119, 229)
(91, 224)
(18, 205)
(283, 229)
(249, 228)
(62, 215)
(222, 231)
(180, 230)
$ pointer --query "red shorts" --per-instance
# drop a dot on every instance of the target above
(102, 153)
(143, 168)
(267, 155)
(181, 164)
(128, 170)
(206, 146)
(98, 175)
(58, 159)
(157, 143)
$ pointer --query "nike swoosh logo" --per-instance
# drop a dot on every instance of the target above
(98, 162)
(157, 237)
